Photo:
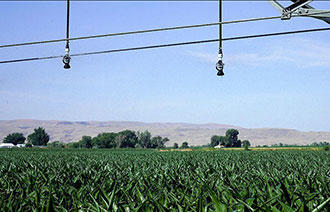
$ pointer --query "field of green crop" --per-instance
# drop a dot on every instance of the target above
(127, 180)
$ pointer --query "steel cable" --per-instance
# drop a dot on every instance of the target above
(148, 31)
(169, 45)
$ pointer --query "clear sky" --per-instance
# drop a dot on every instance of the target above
(279, 82)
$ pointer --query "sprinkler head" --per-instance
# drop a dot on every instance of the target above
(219, 67)
(66, 61)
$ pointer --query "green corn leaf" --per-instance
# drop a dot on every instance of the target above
(321, 206)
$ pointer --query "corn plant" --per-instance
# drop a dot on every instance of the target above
(147, 180)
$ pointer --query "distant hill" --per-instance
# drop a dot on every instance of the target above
(194, 134)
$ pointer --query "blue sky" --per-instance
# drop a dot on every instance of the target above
(269, 82)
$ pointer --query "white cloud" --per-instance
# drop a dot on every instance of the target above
(302, 53)
(205, 57)
(309, 53)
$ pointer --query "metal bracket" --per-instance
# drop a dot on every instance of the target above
(301, 8)
(287, 12)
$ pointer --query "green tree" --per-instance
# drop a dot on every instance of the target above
(324, 143)
(232, 138)
(315, 144)
(222, 140)
(86, 142)
(56, 144)
(164, 141)
(158, 142)
(215, 140)
(105, 140)
(184, 145)
(246, 144)
(126, 138)
(75, 145)
(229, 140)
(14, 138)
(144, 139)
(218, 140)
(39, 137)
(175, 145)
(238, 143)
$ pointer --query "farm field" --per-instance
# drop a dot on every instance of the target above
(150, 180)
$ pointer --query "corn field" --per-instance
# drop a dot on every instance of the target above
(141, 180)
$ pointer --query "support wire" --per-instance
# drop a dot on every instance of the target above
(149, 30)
(168, 45)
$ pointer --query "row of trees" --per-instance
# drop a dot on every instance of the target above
(184, 145)
(321, 144)
(123, 139)
(38, 138)
(229, 140)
